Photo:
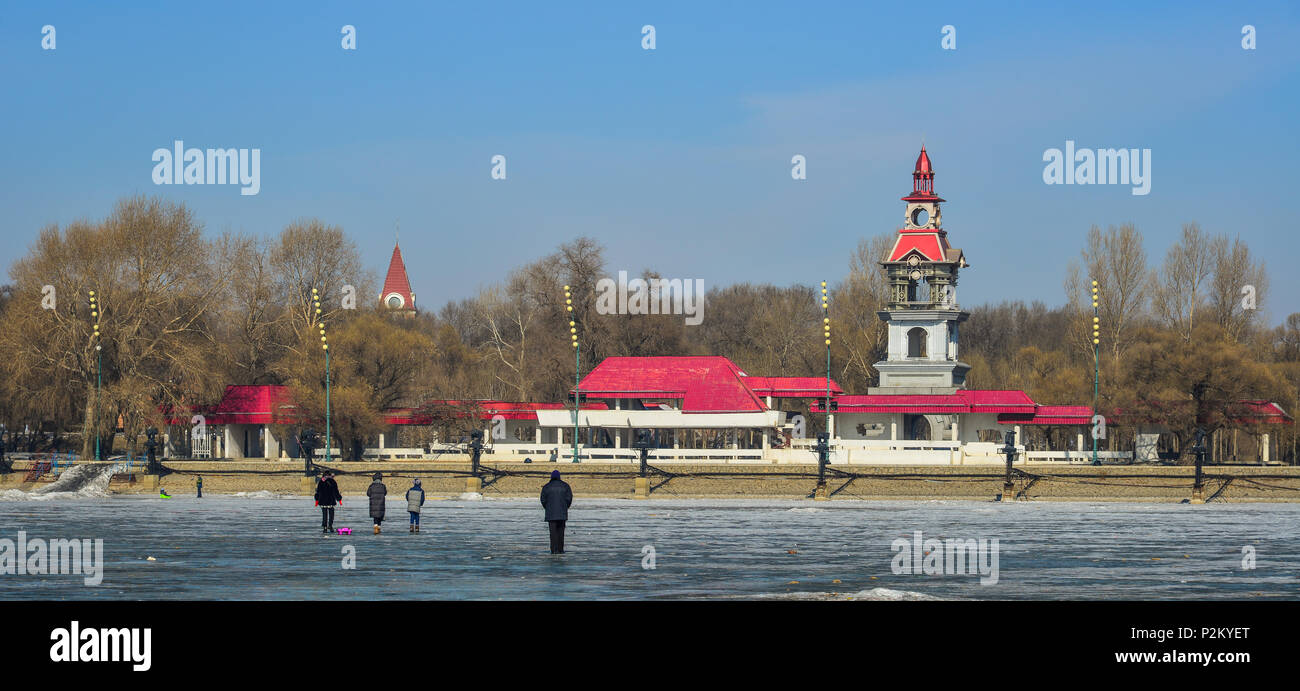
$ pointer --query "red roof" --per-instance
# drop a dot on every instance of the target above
(923, 162)
(923, 180)
(706, 384)
(487, 409)
(791, 387)
(931, 244)
(1050, 415)
(962, 401)
(999, 401)
(1264, 411)
(396, 282)
(253, 405)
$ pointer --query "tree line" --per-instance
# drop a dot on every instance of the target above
(184, 314)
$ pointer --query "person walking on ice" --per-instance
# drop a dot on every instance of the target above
(557, 496)
(378, 494)
(327, 495)
(414, 500)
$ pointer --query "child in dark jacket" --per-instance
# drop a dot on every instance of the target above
(415, 500)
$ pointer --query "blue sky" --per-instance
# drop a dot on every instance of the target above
(676, 159)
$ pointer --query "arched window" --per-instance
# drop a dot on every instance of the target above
(916, 342)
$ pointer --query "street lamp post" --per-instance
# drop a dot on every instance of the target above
(99, 369)
(151, 450)
(476, 452)
(1198, 489)
(577, 367)
(824, 439)
(1009, 449)
(643, 443)
(1096, 368)
(315, 298)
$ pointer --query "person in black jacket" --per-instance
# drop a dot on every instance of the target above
(327, 494)
(556, 498)
(378, 494)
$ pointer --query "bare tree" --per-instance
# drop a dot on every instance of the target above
(508, 314)
(1237, 290)
(309, 254)
(1179, 289)
(1118, 261)
(157, 289)
(860, 334)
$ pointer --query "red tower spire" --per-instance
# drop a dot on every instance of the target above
(397, 295)
(923, 180)
(923, 176)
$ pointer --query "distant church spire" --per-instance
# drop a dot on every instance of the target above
(397, 295)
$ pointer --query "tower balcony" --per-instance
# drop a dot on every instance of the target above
(924, 305)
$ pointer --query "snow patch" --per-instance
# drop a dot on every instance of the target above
(260, 494)
(86, 481)
(872, 595)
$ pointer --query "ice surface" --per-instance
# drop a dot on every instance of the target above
(224, 547)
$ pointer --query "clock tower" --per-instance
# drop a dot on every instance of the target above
(922, 312)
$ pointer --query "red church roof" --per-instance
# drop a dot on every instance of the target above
(397, 283)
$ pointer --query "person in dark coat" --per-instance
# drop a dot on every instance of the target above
(334, 484)
(378, 494)
(198, 484)
(415, 500)
(327, 495)
(556, 498)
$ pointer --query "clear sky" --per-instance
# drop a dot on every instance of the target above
(677, 158)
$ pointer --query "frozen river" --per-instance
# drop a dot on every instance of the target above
(267, 547)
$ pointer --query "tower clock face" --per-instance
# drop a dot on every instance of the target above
(913, 260)
(920, 216)
(916, 275)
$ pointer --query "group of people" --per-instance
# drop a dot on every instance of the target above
(556, 498)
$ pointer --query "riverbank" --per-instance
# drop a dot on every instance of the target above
(1038, 482)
